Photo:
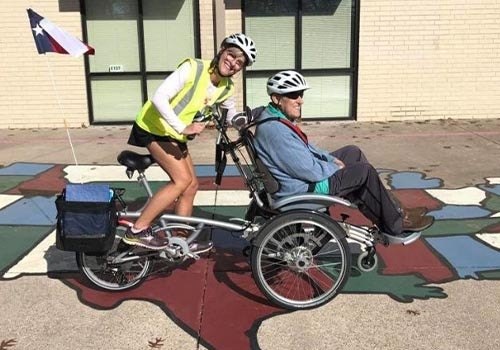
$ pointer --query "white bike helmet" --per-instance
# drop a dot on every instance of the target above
(286, 81)
(245, 44)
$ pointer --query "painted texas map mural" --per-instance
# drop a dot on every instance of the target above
(463, 243)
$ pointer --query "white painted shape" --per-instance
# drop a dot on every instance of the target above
(462, 196)
(226, 197)
(496, 215)
(8, 199)
(493, 180)
(91, 173)
(492, 239)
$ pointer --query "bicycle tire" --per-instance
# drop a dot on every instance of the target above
(113, 277)
(301, 260)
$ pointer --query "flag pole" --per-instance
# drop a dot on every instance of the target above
(61, 108)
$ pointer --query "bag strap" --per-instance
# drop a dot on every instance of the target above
(289, 124)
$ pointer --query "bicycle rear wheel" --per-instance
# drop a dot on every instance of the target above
(301, 260)
(108, 274)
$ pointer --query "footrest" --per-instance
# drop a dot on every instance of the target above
(404, 240)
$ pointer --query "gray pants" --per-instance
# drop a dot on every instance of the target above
(359, 182)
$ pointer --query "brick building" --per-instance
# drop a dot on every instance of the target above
(365, 59)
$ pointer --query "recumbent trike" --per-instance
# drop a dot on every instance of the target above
(299, 256)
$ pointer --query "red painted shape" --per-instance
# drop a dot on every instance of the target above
(228, 302)
(233, 304)
(181, 292)
(495, 228)
(412, 198)
(228, 183)
(355, 216)
(416, 258)
(49, 182)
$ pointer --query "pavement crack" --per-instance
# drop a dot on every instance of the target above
(479, 135)
(203, 294)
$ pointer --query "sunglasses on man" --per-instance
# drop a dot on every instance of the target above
(294, 95)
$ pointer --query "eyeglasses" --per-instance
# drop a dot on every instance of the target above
(294, 95)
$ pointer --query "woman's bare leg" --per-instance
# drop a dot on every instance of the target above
(184, 204)
(170, 158)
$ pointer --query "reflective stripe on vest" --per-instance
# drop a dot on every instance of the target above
(180, 105)
(191, 99)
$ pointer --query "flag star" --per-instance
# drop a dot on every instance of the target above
(38, 30)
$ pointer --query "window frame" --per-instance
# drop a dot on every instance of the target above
(351, 71)
(142, 74)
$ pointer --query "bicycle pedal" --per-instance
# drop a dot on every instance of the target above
(194, 256)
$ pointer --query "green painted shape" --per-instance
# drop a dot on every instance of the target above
(492, 203)
(404, 288)
(458, 227)
(18, 240)
(489, 275)
(10, 181)
(222, 212)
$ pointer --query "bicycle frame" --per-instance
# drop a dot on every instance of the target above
(142, 179)
(293, 237)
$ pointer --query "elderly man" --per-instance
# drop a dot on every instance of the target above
(300, 167)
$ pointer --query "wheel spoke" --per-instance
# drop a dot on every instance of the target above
(113, 276)
(303, 260)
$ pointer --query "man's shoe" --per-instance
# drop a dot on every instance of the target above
(414, 212)
(201, 247)
(145, 239)
(417, 224)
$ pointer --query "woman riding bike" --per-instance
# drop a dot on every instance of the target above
(165, 124)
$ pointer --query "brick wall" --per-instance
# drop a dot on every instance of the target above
(417, 60)
(427, 59)
(39, 90)
(206, 29)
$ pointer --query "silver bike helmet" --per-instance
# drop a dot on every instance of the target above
(245, 44)
(286, 81)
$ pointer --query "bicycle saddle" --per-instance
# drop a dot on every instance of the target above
(135, 161)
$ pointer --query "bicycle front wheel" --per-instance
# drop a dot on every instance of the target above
(112, 274)
(301, 260)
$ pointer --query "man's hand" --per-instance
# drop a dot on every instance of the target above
(339, 163)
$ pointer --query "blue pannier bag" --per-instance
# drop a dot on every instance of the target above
(86, 218)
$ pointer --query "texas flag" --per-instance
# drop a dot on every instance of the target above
(50, 38)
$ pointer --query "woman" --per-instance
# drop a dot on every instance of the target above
(165, 124)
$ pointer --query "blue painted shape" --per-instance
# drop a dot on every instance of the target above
(460, 212)
(32, 211)
(25, 169)
(491, 188)
(466, 255)
(209, 170)
(411, 179)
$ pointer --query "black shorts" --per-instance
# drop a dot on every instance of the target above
(141, 138)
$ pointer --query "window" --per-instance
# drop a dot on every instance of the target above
(138, 43)
(312, 36)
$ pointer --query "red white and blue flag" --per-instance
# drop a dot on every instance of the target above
(50, 38)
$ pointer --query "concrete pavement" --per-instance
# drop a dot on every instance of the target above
(441, 292)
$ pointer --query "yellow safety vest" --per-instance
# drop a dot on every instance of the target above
(191, 99)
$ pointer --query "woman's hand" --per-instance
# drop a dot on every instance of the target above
(194, 129)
